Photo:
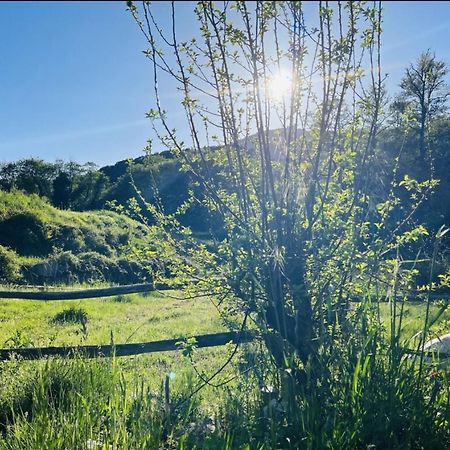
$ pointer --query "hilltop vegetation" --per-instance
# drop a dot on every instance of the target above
(61, 212)
(69, 185)
(43, 244)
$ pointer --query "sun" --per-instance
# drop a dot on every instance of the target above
(279, 85)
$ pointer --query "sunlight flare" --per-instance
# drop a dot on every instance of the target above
(279, 85)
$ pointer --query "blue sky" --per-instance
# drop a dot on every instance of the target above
(75, 85)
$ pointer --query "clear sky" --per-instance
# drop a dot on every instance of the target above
(75, 85)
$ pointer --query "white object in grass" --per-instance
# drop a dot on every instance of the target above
(439, 346)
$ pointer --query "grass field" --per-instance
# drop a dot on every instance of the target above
(128, 318)
(143, 318)
(121, 319)
(149, 317)
(414, 317)
(105, 384)
(124, 403)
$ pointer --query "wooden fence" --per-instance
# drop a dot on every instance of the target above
(92, 351)
(83, 294)
(202, 341)
(77, 294)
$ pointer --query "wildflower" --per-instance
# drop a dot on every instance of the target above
(92, 444)
(210, 425)
(268, 389)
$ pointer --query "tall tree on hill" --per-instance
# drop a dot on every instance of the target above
(62, 190)
(424, 88)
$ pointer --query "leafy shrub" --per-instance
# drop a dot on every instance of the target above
(9, 265)
(26, 234)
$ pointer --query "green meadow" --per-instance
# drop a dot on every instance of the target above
(127, 318)
(122, 319)
(144, 401)
(153, 316)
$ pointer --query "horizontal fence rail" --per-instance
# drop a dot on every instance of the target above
(39, 293)
(78, 294)
(427, 353)
(201, 341)
(93, 351)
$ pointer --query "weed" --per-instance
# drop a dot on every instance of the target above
(71, 315)
(122, 299)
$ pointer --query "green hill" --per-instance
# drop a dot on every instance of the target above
(43, 244)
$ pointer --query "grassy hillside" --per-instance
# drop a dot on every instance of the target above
(44, 244)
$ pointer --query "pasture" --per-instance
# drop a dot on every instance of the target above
(120, 319)
(142, 401)
(105, 384)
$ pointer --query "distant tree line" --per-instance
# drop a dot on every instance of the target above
(68, 185)
(82, 187)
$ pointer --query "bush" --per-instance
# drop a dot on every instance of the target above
(88, 267)
(95, 242)
(26, 234)
(96, 267)
(9, 265)
(69, 238)
(59, 268)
